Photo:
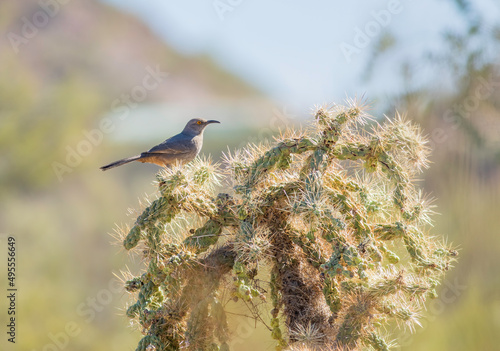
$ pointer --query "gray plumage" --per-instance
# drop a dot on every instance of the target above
(182, 148)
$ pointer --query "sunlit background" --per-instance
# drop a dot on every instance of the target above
(83, 83)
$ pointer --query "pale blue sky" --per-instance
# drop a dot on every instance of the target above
(292, 49)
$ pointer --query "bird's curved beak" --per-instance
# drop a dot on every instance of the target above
(212, 121)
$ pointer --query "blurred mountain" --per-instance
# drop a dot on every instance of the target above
(64, 65)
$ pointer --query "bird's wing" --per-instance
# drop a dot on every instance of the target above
(175, 145)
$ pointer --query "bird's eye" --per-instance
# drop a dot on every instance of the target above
(199, 122)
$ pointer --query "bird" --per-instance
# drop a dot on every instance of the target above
(181, 148)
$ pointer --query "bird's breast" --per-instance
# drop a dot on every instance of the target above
(198, 143)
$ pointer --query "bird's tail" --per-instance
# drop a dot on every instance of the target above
(120, 162)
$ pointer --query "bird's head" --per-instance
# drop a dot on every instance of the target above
(197, 125)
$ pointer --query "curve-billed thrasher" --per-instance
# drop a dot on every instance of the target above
(181, 148)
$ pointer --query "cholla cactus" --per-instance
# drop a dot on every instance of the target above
(324, 226)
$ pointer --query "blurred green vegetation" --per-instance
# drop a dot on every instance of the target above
(64, 80)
